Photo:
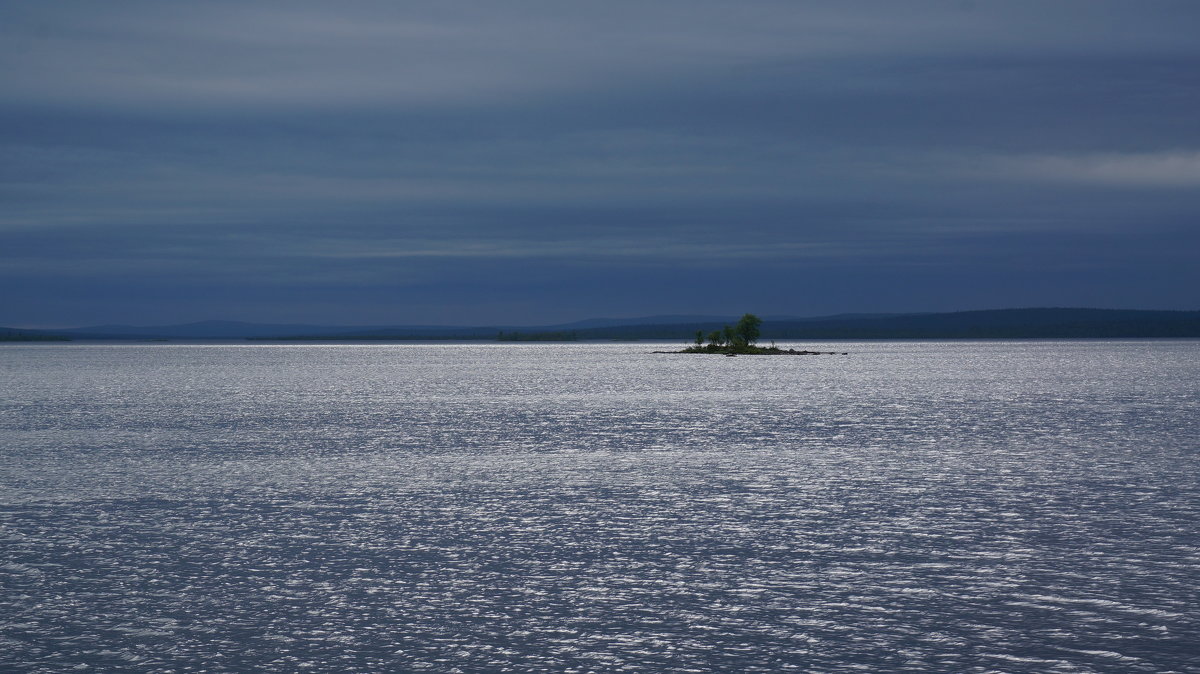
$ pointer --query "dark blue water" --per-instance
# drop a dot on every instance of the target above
(952, 507)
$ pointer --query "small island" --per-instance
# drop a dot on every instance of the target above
(740, 340)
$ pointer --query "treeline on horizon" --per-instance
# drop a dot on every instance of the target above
(481, 334)
(998, 324)
(28, 336)
(549, 336)
(988, 324)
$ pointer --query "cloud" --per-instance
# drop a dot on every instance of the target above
(222, 55)
(299, 145)
(1167, 169)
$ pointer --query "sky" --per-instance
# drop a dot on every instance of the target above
(467, 163)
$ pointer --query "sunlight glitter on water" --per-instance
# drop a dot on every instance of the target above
(1023, 506)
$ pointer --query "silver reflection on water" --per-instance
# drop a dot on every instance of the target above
(986, 506)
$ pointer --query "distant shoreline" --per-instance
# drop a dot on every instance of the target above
(582, 342)
(1038, 323)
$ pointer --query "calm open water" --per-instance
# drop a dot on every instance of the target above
(914, 506)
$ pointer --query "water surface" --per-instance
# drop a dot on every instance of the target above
(913, 506)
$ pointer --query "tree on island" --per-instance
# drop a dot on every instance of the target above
(747, 329)
(740, 339)
(744, 334)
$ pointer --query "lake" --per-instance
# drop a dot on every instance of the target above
(989, 506)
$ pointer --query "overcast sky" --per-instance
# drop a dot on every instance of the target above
(536, 162)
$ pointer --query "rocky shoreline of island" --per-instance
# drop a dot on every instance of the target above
(755, 351)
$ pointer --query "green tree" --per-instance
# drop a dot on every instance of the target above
(714, 338)
(729, 335)
(747, 330)
(699, 338)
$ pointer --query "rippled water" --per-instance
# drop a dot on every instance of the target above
(913, 506)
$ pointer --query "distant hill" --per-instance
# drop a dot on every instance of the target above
(993, 324)
(202, 330)
(242, 330)
(15, 335)
(643, 320)
(1002, 323)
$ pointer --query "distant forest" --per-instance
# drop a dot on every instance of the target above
(997, 324)
(994, 324)
(7, 335)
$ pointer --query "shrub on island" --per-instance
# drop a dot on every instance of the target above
(740, 339)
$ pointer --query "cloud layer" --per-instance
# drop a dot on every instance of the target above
(469, 162)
